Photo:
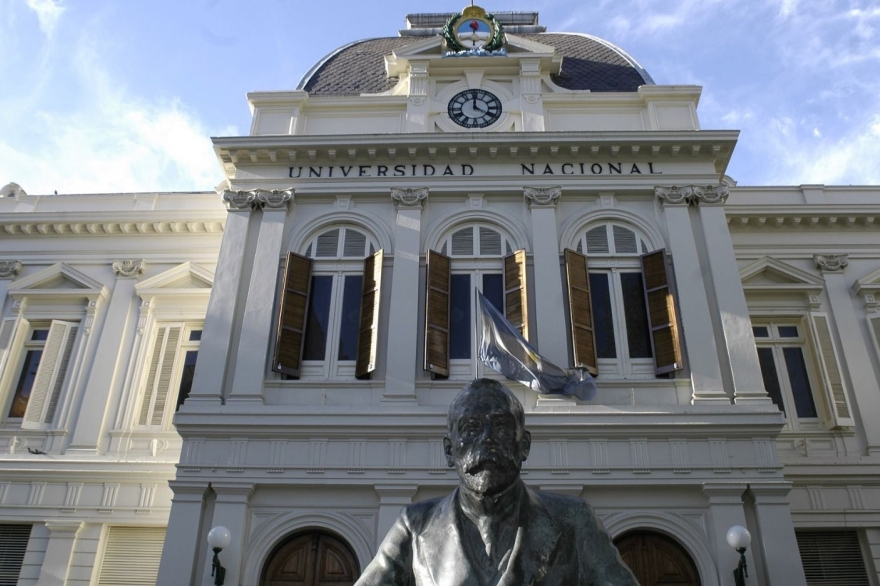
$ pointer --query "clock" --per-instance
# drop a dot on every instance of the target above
(474, 108)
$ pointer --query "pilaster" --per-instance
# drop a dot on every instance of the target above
(215, 346)
(530, 95)
(699, 335)
(418, 107)
(90, 425)
(775, 535)
(392, 499)
(256, 326)
(866, 389)
(230, 511)
(736, 325)
(726, 510)
(183, 537)
(59, 552)
(401, 356)
(9, 269)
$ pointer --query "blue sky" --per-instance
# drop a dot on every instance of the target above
(122, 95)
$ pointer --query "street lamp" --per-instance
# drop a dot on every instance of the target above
(218, 538)
(739, 539)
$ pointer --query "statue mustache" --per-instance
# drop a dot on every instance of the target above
(480, 457)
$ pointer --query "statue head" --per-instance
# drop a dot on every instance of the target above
(486, 441)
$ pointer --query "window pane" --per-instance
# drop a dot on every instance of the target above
(603, 324)
(25, 383)
(351, 313)
(800, 382)
(761, 331)
(40, 335)
(460, 324)
(788, 332)
(186, 377)
(318, 318)
(637, 330)
(771, 377)
(195, 335)
(493, 289)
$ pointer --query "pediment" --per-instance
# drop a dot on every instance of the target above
(770, 273)
(186, 278)
(58, 277)
(870, 283)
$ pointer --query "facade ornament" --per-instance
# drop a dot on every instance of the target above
(9, 268)
(672, 195)
(407, 197)
(129, 268)
(275, 199)
(831, 263)
(717, 194)
(542, 196)
(692, 194)
(239, 200)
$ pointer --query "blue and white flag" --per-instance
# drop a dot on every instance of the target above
(504, 350)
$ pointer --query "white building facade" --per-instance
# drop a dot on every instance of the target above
(734, 331)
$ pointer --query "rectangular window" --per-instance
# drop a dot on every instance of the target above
(460, 322)
(785, 370)
(832, 557)
(318, 320)
(349, 321)
(13, 546)
(172, 363)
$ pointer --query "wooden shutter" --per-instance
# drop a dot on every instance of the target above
(368, 334)
(516, 301)
(131, 556)
(662, 320)
(50, 374)
(832, 377)
(439, 282)
(580, 311)
(292, 314)
(13, 546)
(7, 333)
(832, 557)
(160, 375)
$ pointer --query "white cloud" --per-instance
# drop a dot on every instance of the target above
(48, 12)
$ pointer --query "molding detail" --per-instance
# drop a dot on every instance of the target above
(129, 268)
(714, 195)
(239, 200)
(831, 263)
(692, 194)
(275, 199)
(9, 268)
(672, 195)
(405, 197)
(543, 196)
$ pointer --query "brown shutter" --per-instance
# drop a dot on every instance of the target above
(832, 377)
(665, 339)
(293, 310)
(368, 334)
(437, 314)
(580, 308)
(516, 303)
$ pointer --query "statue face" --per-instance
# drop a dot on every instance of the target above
(486, 444)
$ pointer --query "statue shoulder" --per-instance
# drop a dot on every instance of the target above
(569, 510)
(417, 515)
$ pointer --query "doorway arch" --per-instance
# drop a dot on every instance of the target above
(657, 560)
(311, 558)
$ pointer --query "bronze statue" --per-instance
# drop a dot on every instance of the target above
(493, 529)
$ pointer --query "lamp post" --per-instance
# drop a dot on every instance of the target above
(218, 538)
(739, 539)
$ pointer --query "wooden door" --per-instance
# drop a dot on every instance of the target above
(311, 559)
(657, 560)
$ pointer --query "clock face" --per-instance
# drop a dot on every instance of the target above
(474, 108)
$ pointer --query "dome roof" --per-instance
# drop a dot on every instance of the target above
(588, 63)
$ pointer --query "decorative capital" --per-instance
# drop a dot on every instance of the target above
(9, 268)
(276, 199)
(239, 200)
(405, 197)
(672, 195)
(542, 196)
(715, 195)
(692, 194)
(129, 268)
(831, 263)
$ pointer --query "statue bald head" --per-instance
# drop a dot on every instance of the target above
(486, 441)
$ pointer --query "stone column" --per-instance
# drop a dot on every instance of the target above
(725, 511)
(549, 301)
(183, 538)
(775, 535)
(9, 269)
(402, 350)
(230, 511)
(257, 326)
(745, 370)
(696, 321)
(59, 552)
(854, 346)
(214, 349)
(392, 499)
(90, 424)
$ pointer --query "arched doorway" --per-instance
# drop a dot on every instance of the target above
(313, 558)
(657, 560)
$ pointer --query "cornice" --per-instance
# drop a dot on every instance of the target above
(56, 224)
(802, 216)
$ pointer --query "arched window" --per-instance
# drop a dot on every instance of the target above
(614, 275)
(330, 305)
(472, 257)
